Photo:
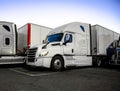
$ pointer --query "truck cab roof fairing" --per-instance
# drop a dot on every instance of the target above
(75, 27)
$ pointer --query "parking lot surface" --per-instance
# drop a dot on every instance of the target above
(22, 78)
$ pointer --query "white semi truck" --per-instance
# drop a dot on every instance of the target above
(13, 43)
(76, 44)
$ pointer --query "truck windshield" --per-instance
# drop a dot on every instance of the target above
(55, 37)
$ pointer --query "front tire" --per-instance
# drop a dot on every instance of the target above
(57, 63)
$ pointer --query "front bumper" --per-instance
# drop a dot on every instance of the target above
(40, 62)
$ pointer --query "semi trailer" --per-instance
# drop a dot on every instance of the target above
(105, 45)
(76, 44)
(13, 42)
(31, 34)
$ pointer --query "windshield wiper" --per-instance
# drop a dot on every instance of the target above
(44, 47)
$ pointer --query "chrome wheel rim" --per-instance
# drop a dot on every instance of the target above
(57, 64)
(98, 62)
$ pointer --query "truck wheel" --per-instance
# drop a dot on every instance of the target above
(98, 62)
(57, 64)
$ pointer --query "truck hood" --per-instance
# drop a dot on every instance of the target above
(44, 46)
(48, 49)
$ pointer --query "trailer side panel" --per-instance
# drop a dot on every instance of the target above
(101, 39)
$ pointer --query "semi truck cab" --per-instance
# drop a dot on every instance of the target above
(8, 38)
(8, 44)
(115, 59)
(51, 54)
(64, 46)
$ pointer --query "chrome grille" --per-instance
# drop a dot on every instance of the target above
(31, 54)
(118, 55)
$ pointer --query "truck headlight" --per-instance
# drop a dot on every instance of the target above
(43, 53)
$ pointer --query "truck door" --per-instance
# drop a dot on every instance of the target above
(68, 46)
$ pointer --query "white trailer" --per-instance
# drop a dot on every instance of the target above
(31, 34)
(101, 40)
(73, 44)
(13, 43)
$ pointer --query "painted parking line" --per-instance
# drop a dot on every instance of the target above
(33, 75)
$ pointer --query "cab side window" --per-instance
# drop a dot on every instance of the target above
(6, 28)
(68, 38)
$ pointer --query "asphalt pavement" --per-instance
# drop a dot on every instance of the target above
(24, 78)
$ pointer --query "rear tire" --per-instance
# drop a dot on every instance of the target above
(57, 63)
(97, 62)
